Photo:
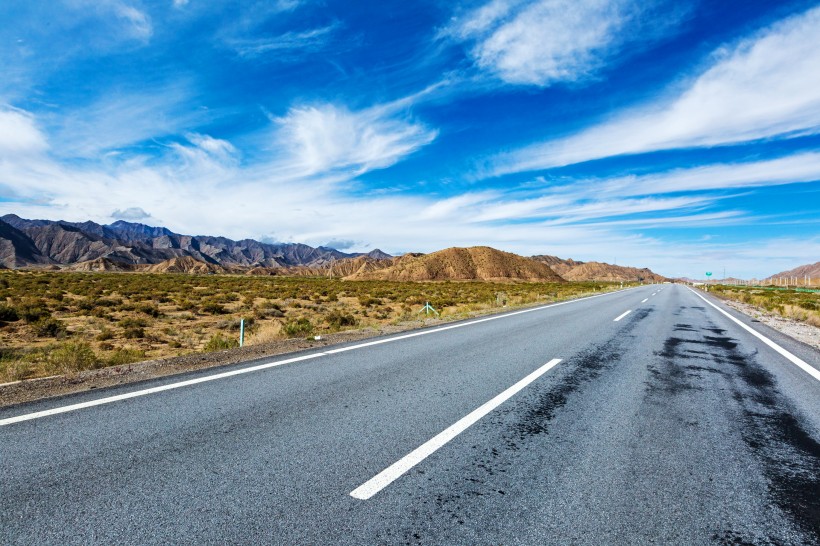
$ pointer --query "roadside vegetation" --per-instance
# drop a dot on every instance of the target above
(797, 304)
(54, 323)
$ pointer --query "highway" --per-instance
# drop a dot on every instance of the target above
(641, 416)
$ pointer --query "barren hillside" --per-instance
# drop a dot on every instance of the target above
(474, 263)
(812, 270)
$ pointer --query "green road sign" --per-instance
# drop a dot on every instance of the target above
(708, 273)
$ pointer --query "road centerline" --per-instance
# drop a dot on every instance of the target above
(400, 467)
(622, 315)
(644, 300)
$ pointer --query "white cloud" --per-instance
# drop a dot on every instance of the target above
(131, 214)
(327, 137)
(793, 169)
(546, 41)
(200, 187)
(123, 118)
(19, 133)
(181, 3)
(135, 21)
(305, 41)
(767, 86)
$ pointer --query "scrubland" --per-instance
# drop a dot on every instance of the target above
(60, 323)
(796, 304)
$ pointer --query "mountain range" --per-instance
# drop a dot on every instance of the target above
(808, 270)
(127, 246)
(122, 244)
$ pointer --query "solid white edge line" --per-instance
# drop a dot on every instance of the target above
(463, 324)
(394, 471)
(171, 386)
(814, 372)
(622, 315)
(152, 390)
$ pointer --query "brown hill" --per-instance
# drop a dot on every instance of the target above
(598, 271)
(554, 261)
(812, 270)
(363, 265)
(474, 263)
(100, 264)
(185, 264)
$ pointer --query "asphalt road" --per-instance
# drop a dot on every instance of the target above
(670, 425)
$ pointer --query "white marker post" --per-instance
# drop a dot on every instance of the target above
(241, 332)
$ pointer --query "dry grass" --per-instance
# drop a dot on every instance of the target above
(63, 322)
(794, 304)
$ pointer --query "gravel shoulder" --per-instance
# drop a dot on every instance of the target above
(805, 333)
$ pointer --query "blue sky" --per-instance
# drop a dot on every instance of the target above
(680, 136)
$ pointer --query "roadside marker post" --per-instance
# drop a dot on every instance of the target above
(427, 308)
(241, 332)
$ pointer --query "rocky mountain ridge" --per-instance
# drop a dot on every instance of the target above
(124, 245)
(802, 271)
(127, 246)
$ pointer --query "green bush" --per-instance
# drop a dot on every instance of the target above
(125, 356)
(133, 332)
(213, 308)
(33, 312)
(338, 320)
(71, 357)
(218, 342)
(298, 327)
(133, 323)
(49, 327)
(8, 314)
(149, 309)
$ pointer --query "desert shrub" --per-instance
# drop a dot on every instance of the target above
(149, 309)
(809, 305)
(337, 320)
(130, 322)
(133, 332)
(73, 356)
(125, 356)
(213, 308)
(367, 301)
(298, 327)
(8, 314)
(33, 311)
(269, 310)
(218, 342)
(49, 327)
(105, 335)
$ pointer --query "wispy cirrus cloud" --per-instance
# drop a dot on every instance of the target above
(548, 41)
(305, 41)
(327, 137)
(121, 118)
(766, 86)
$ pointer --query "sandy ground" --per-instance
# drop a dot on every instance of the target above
(808, 334)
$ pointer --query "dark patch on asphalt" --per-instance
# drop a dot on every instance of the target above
(734, 538)
(791, 457)
(770, 427)
(537, 410)
(586, 367)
